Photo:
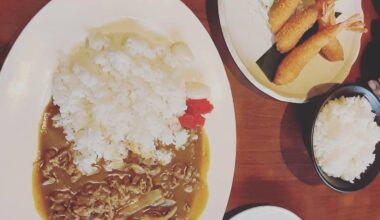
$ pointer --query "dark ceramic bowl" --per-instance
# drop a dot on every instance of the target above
(369, 175)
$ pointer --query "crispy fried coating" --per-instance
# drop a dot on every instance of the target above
(280, 12)
(333, 51)
(292, 31)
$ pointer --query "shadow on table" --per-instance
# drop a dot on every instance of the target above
(295, 136)
(217, 37)
(294, 150)
(262, 191)
(369, 63)
(240, 209)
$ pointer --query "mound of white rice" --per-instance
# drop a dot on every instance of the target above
(345, 136)
(122, 92)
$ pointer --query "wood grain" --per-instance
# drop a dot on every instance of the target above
(272, 166)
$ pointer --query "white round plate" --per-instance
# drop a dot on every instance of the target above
(52, 33)
(266, 213)
(246, 32)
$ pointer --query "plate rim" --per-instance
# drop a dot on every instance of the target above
(265, 207)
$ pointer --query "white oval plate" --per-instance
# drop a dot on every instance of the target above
(246, 33)
(25, 90)
(266, 213)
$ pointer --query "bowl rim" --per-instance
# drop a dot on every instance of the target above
(323, 100)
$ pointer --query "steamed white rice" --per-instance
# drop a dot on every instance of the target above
(345, 136)
(122, 93)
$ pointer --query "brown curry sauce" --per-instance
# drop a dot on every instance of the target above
(189, 205)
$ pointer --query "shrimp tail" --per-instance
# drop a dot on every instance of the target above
(327, 12)
(333, 51)
(353, 24)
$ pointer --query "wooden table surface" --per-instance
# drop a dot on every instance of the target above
(272, 163)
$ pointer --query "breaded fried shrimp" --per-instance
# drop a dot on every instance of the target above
(292, 31)
(280, 12)
(295, 61)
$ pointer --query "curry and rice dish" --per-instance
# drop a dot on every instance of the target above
(122, 136)
(141, 190)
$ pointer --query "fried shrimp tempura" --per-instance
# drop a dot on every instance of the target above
(333, 51)
(295, 61)
(292, 31)
(280, 12)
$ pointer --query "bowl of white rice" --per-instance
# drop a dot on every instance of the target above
(345, 138)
